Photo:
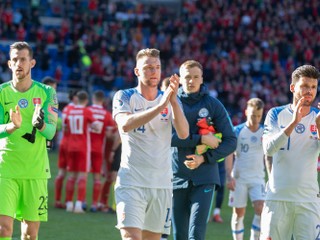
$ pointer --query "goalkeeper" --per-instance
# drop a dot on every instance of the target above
(28, 117)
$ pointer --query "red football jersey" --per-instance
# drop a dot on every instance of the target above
(78, 122)
(98, 138)
(62, 162)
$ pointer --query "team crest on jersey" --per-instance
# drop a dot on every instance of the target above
(254, 139)
(36, 101)
(300, 128)
(23, 103)
(313, 129)
(164, 112)
(203, 113)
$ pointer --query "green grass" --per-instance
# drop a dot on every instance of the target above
(101, 226)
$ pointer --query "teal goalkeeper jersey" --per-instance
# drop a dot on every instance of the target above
(23, 154)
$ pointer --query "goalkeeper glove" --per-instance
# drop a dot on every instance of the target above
(38, 117)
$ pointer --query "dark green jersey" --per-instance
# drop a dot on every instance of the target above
(23, 154)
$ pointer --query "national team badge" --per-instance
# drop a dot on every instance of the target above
(313, 129)
(254, 139)
(36, 101)
(203, 113)
(23, 103)
(164, 112)
(300, 128)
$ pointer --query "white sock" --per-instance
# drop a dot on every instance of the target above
(237, 227)
(78, 204)
(255, 228)
(216, 211)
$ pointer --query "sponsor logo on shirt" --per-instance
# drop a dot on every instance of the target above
(23, 103)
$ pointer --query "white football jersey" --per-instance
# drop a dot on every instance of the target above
(294, 168)
(249, 163)
(145, 158)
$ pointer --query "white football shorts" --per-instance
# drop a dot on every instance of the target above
(144, 208)
(239, 197)
(280, 220)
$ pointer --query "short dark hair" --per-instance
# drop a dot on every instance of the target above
(72, 93)
(99, 95)
(49, 80)
(304, 71)
(82, 96)
(20, 46)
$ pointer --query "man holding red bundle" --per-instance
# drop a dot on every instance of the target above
(195, 176)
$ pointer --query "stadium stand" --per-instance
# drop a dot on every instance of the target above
(248, 48)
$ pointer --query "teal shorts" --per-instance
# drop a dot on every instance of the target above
(24, 199)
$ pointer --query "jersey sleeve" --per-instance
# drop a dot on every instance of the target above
(50, 108)
(3, 132)
(121, 103)
(273, 136)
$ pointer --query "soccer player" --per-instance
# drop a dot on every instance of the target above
(291, 138)
(78, 121)
(245, 171)
(112, 165)
(28, 117)
(98, 140)
(144, 116)
(63, 153)
(196, 175)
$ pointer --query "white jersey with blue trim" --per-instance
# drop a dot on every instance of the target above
(145, 158)
(294, 168)
(249, 163)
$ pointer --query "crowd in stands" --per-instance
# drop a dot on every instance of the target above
(247, 47)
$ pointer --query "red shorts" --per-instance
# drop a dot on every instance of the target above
(78, 161)
(96, 162)
(63, 156)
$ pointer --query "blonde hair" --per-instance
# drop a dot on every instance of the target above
(191, 64)
(257, 103)
(148, 52)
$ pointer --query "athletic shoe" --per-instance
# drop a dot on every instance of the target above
(93, 209)
(78, 208)
(217, 218)
(69, 206)
(60, 205)
(84, 206)
(108, 210)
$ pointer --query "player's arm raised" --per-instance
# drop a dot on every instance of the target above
(15, 123)
(179, 120)
(128, 121)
